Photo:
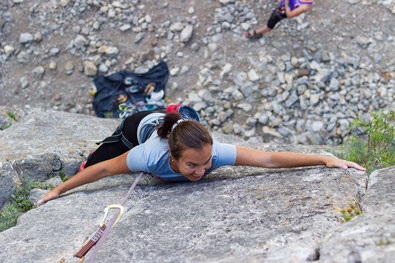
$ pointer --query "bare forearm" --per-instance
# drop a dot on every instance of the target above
(93, 173)
(88, 175)
(288, 160)
(252, 157)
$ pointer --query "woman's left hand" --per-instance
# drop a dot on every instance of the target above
(339, 163)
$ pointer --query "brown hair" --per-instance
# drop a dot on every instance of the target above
(187, 134)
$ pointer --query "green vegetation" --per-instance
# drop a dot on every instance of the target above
(19, 203)
(7, 119)
(351, 211)
(12, 115)
(63, 176)
(373, 142)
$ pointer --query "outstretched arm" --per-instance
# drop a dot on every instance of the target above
(251, 157)
(91, 174)
(297, 11)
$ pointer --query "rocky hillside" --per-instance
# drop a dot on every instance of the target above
(303, 83)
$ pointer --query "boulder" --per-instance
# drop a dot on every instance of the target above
(257, 216)
(235, 214)
(369, 237)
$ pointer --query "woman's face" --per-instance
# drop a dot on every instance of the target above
(193, 163)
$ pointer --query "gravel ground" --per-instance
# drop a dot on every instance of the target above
(39, 40)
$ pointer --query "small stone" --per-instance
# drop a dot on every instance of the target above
(69, 67)
(24, 82)
(174, 71)
(186, 34)
(124, 27)
(38, 37)
(25, 38)
(38, 72)
(8, 50)
(90, 69)
(52, 65)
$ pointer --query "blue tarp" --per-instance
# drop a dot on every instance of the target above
(122, 94)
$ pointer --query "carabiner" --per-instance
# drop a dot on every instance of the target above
(120, 207)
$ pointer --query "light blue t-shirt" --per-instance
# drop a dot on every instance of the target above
(153, 157)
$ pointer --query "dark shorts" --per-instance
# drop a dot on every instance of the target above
(108, 151)
(277, 15)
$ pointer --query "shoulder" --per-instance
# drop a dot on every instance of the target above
(152, 148)
(147, 154)
(223, 153)
(305, 5)
(306, 2)
(220, 146)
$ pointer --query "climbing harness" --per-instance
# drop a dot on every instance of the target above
(104, 230)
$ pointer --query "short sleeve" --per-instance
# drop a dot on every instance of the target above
(136, 159)
(149, 157)
(223, 154)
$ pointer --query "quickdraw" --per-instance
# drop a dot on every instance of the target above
(100, 235)
(91, 242)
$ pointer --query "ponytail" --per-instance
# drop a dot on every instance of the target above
(167, 125)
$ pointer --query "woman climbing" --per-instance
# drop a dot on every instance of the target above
(183, 150)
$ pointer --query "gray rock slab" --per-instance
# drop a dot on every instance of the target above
(247, 218)
(236, 214)
(41, 131)
(8, 183)
(369, 237)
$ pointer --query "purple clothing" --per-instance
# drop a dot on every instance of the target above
(296, 3)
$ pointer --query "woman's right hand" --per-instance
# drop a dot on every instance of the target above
(48, 196)
(91, 174)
